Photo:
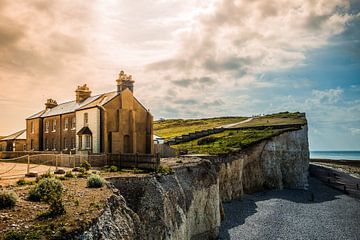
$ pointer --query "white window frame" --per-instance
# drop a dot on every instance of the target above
(65, 144)
(54, 125)
(47, 125)
(73, 123)
(86, 119)
(66, 124)
(87, 142)
(73, 143)
(32, 127)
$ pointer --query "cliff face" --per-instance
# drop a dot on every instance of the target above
(187, 203)
(281, 161)
(183, 205)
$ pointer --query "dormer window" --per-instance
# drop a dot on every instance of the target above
(86, 119)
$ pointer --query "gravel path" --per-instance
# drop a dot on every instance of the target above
(290, 214)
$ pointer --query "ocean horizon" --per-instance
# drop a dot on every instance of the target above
(336, 155)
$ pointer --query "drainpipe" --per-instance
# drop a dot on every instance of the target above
(105, 130)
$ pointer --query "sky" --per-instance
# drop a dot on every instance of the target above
(189, 59)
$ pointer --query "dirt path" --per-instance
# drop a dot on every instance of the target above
(235, 124)
(11, 172)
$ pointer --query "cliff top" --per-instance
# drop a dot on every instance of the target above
(240, 132)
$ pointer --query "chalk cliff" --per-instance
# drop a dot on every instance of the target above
(187, 204)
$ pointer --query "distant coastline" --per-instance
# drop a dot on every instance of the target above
(335, 155)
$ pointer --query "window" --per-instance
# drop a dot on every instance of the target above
(66, 124)
(54, 125)
(32, 127)
(80, 142)
(24, 147)
(47, 126)
(53, 144)
(86, 119)
(32, 144)
(73, 125)
(87, 141)
(46, 144)
(65, 144)
(73, 144)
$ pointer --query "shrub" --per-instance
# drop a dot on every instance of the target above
(113, 169)
(7, 199)
(137, 171)
(14, 235)
(206, 140)
(45, 175)
(69, 174)
(86, 165)
(95, 181)
(21, 182)
(49, 190)
(164, 169)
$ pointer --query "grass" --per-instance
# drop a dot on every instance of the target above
(229, 141)
(176, 127)
(282, 118)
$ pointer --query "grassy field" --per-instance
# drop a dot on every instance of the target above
(231, 140)
(227, 141)
(176, 127)
(275, 119)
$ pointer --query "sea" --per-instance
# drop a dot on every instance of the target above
(336, 155)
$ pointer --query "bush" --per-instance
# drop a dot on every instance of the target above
(164, 169)
(95, 181)
(85, 164)
(49, 190)
(14, 235)
(206, 140)
(113, 169)
(23, 182)
(7, 199)
(69, 174)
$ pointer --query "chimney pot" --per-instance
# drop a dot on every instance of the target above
(82, 93)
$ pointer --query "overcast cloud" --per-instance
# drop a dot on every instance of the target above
(189, 58)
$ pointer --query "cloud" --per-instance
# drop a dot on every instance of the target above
(195, 82)
(355, 131)
(329, 96)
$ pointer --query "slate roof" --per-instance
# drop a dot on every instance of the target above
(18, 135)
(69, 107)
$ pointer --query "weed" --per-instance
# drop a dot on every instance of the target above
(164, 169)
(7, 199)
(113, 169)
(69, 174)
(85, 164)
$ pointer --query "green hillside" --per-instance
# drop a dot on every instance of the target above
(170, 128)
(231, 140)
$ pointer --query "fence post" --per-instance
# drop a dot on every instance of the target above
(157, 160)
(28, 164)
(56, 162)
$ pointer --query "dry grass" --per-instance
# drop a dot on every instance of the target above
(82, 205)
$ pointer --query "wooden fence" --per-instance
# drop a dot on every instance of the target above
(165, 150)
(145, 161)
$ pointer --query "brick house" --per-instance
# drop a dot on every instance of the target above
(14, 142)
(113, 122)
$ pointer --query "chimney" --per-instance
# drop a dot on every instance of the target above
(124, 81)
(82, 93)
(50, 103)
